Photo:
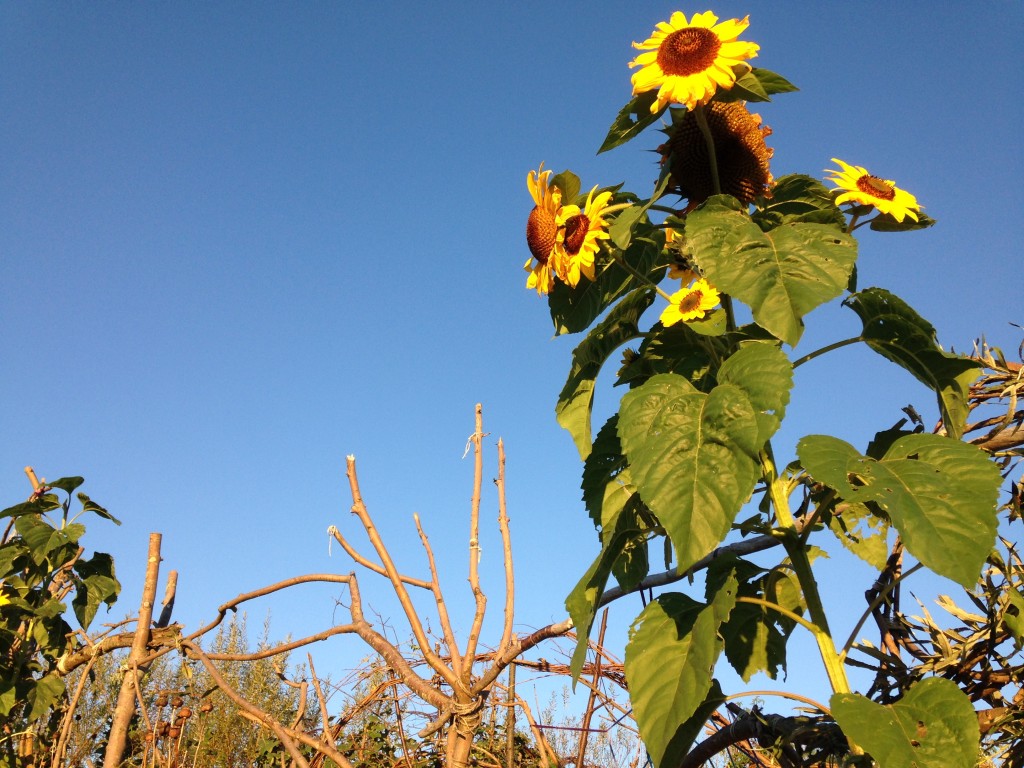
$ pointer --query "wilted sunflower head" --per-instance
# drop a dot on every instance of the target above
(740, 152)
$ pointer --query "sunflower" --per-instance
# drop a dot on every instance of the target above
(690, 303)
(542, 230)
(579, 236)
(861, 187)
(741, 155)
(688, 61)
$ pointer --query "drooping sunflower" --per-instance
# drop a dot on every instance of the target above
(542, 230)
(687, 61)
(690, 303)
(861, 187)
(741, 155)
(579, 236)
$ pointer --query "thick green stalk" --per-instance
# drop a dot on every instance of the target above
(787, 532)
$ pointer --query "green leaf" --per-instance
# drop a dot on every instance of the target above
(574, 309)
(765, 374)
(932, 726)
(715, 323)
(10, 553)
(67, 484)
(772, 82)
(746, 88)
(576, 400)
(885, 222)
(569, 185)
(37, 506)
(862, 532)
(37, 536)
(798, 198)
(96, 584)
(676, 349)
(755, 636)
(582, 602)
(939, 493)
(1013, 616)
(632, 120)
(632, 565)
(781, 274)
(43, 694)
(692, 456)
(600, 470)
(898, 333)
(88, 505)
(673, 647)
(621, 230)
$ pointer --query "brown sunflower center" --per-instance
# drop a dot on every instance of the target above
(541, 230)
(690, 302)
(688, 51)
(576, 228)
(876, 187)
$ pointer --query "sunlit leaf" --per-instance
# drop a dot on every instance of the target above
(764, 372)
(781, 274)
(933, 726)
(939, 493)
(692, 456)
(670, 657)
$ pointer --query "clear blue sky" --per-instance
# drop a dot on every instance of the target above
(241, 240)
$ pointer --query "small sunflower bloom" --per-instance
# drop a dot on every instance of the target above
(579, 237)
(542, 230)
(688, 61)
(690, 303)
(859, 186)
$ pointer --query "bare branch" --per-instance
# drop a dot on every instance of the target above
(474, 547)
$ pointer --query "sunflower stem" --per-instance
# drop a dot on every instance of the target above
(642, 278)
(716, 185)
(788, 533)
(827, 348)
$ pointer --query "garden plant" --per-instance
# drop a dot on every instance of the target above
(706, 284)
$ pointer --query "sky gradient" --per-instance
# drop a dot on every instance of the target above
(240, 241)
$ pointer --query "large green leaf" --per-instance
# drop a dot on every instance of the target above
(671, 654)
(576, 400)
(574, 309)
(582, 602)
(939, 493)
(764, 372)
(631, 120)
(895, 331)
(693, 457)
(781, 274)
(932, 726)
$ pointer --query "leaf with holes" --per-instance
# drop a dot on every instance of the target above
(932, 726)
(781, 274)
(939, 493)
